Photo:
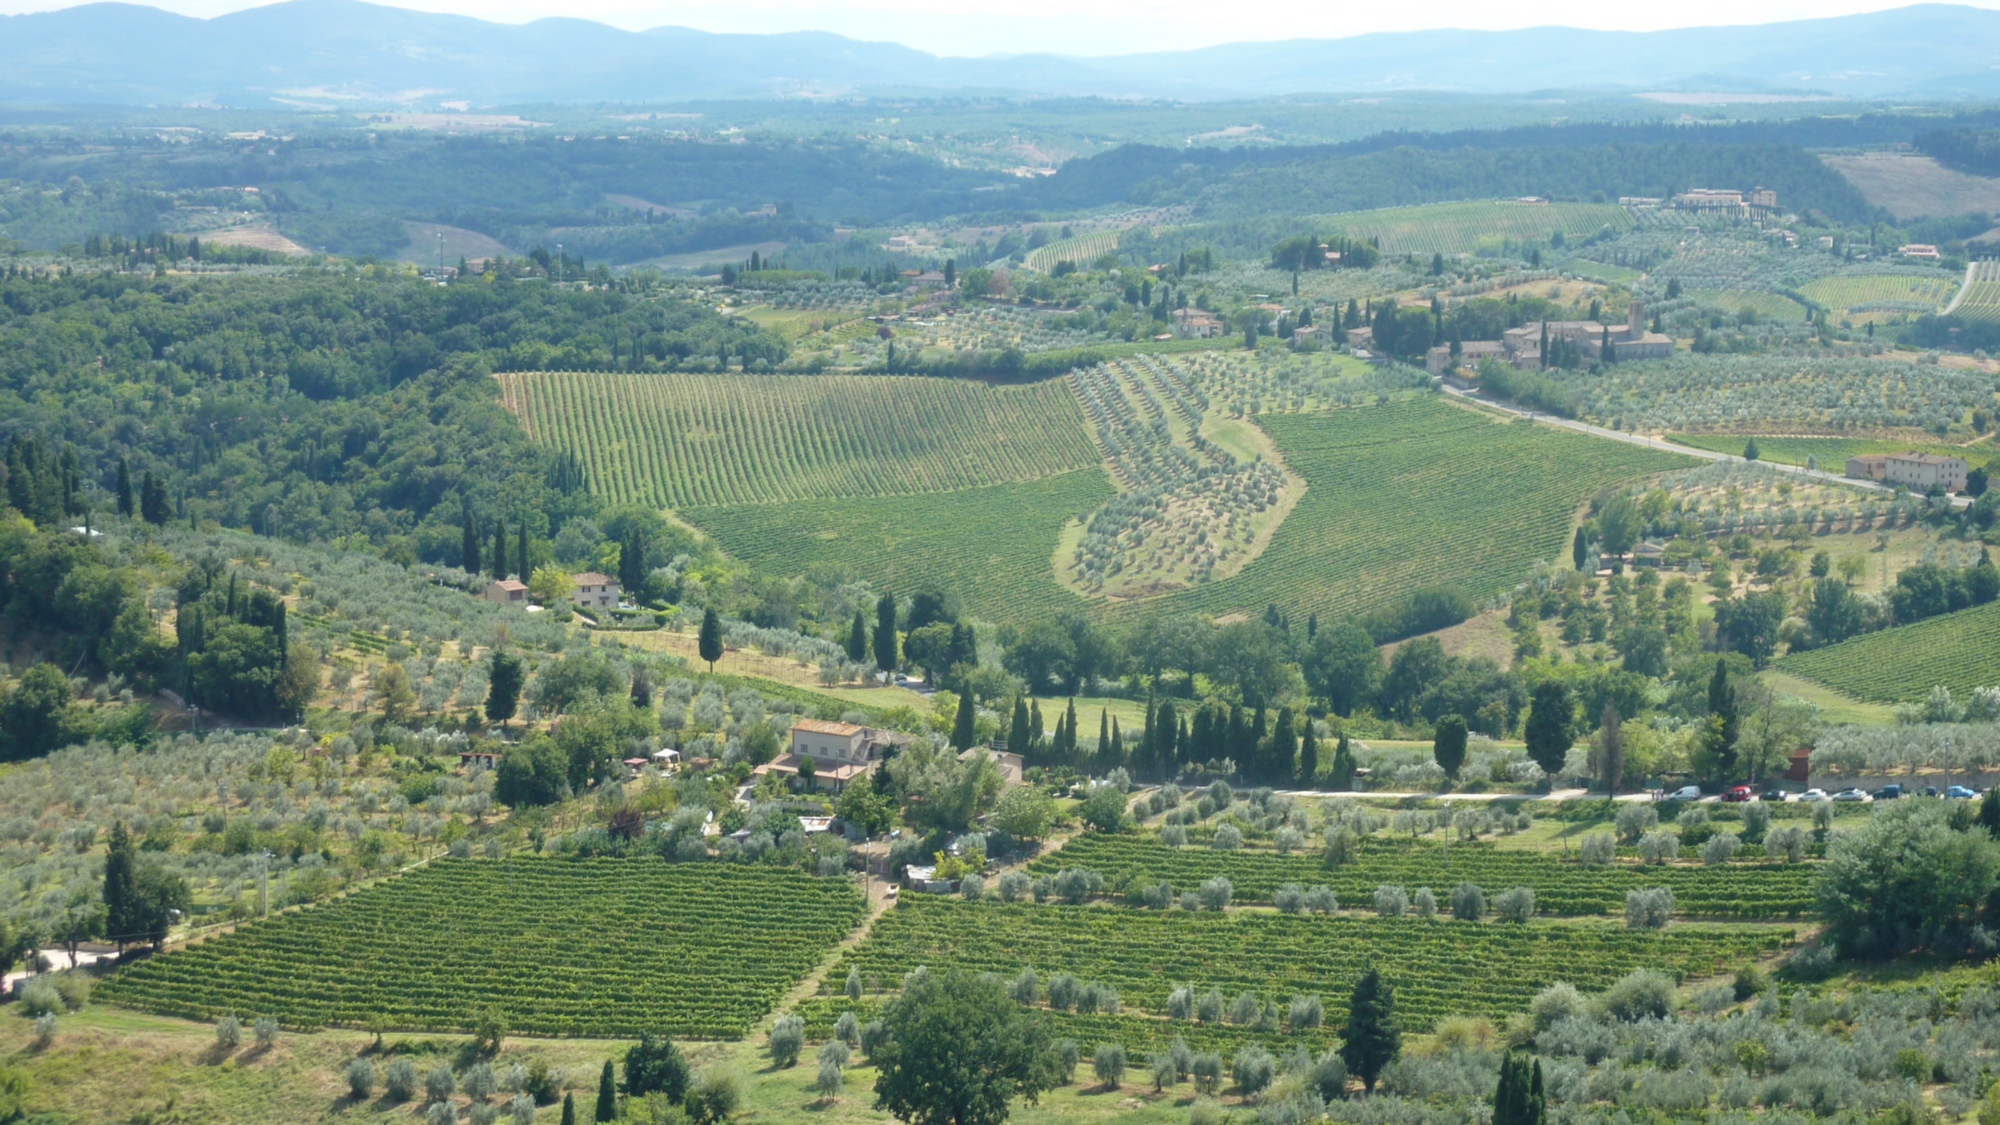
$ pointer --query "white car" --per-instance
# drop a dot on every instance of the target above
(1684, 793)
(1813, 795)
(1853, 795)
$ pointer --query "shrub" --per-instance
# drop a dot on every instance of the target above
(1244, 1010)
(1174, 836)
(1756, 820)
(1641, 994)
(1290, 898)
(1468, 902)
(440, 1084)
(1329, 1077)
(831, 1078)
(1342, 845)
(1180, 1004)
(1228, 838)
(873, 1034)
(1391, 902)
(1068, 1055)
(1559, 1001)
(399, 1081)
(266, 1030)
(39, 997)
(1635, 820)
(1648, 908)
(847, 1029)
(1516, 905)
(444, 1113)
(1306, 1012)
(716, 1096)
(788, 1038)
(1073, 885)
(1253, 1069)
(228, 1033)
(360, 1079)
(1205, 1111)
(1207, 1071)
(1425, 903)
(1215, 893)
(1659, 847)
(1750, 981)
(479, 1082)
(1063, 990)
(1288, 840)
(1108, 1063)
(1597, 849)
(45, 1029)
(1721, 848)
(1209, 1008)
(1321, 900)
(74, 988)
(1012, 885)
(1163, 1070)
(522, 1109)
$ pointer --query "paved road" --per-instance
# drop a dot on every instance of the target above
(1670, 447)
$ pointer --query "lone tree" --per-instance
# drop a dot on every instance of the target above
(857, 638)
(885, 633)
(503, 686)
(607, 1095)
(1449, 745)
(121, 888)
(1551, 710)
(956, 1050)
(1372, 1039)
(962, 733)
(1519, 1099)
(711, 637)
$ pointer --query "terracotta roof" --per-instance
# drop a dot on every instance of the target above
(508, 584)
(592, 578)
(821, 726)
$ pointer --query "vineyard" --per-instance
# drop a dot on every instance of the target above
(1450, 228)
(1900, 665)
(1742, 891)
(682, 441)
(606, 947)
(1416, 493)
(1439, 968)
(1137, 1032)
(1865, 293)
(1082, 249)
(1979, 299)
(1764, 304)
(994, 546)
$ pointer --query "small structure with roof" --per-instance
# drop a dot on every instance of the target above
(838, 752)
(506, 591)
(596, 591)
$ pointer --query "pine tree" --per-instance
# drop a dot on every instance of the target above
(857, 638)
(468, 545)
(885, 633)
(710, 644)
(500, 548)
(607, 1094)
(962, 730)
(1308, 756)
(122, 909)
(124, 488)
(1312, 626)
(1372, 1039)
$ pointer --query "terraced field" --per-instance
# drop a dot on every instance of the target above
(1450, 228)
(1744, 891)
(1900, 665)
(1439, 968)
(602, 947)
(994, 546)
(1415, 493)
(678, 441)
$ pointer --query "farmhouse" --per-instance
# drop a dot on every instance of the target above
(1922, 250)
(506, 591)
(839, 752)
(1198, 323)
(1438, 360)
(1524, 344)
(1719, 199)
(596, 591)
(1918, 472)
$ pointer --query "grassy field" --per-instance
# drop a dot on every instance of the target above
(1765, 304)
(1415, 493)
(560, 947)
(692, 440)
(1450, 228)
(1980, 300)
(994, 546)
(1833, 706)
(1900, 665)
(1439, 968)
(1920, 292)
(1831, 453)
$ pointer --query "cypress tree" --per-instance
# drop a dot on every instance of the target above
(1166, 736)
(468, 544)
(1282, 759)
(1035, 727)
(710, 643)
(124, 488)
(1579, 548)
(1448, 746)
(500, 548)
(632, 562)
(1343, 764)
(1017, 728)
(569, 1109)
(1372, 1038)
(1103, 733)
(607, 1094)
(1069, 737)
(122, 910)
(1309, 756)
(521, 566)
(962, 732)
(885, 633)
(1116, 755)
(857, 638)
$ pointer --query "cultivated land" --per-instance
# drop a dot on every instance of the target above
(682, 441)
(1450, 228)
(564, 947)
(1863, 295)
(1900, 665)
(1767, 304)
(1832, 453)
(1979, 301)
(1910, 186)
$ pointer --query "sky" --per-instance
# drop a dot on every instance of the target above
(1092, 27)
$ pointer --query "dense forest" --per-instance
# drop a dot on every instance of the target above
(319, 406)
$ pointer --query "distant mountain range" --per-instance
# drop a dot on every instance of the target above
(351, 54)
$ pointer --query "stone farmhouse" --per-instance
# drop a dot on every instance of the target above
(1522, 347)
(1918, 472)
(839, 752)
(596, 591)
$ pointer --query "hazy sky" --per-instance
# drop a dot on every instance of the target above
(1092, 27)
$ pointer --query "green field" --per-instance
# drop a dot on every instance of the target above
(1900, 665)
(1831, 453)
(1410, 494)
(1766, 304)
(1083, 249)
(604, 947)
(1744, 891)
(677, 441)
(1979, 300)
(1450, 228)
(1920, 292)
(1440, 968)
(994, 546)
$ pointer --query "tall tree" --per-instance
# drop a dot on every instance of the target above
(632, 562)
(1103, 732)
(710, 643)
(124, 488)
(1282, 751)
(607, 1094)
(957, 1051)
(1611, 748)
(468, 544)
(1309, 756)
(1448, 745)
(1579, 548)
(122, 914)
(500, 548)
(963, 734)
(504, 677)
(1343, 764)
(1519, 1099)
(1373, 1038)
(522, 566)
(1551, 711)
(1112, 756)
(857, 638)
(885, 633)
(1017, 728)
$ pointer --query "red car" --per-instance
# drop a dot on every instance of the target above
(1740, 793)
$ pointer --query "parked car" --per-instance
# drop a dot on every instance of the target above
(1684, 793)
(1852, 795)
(1777, 795)
(1928, 791)
(1960, 793)
(1739, 793)
(1887, 793)
(1813, 795)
